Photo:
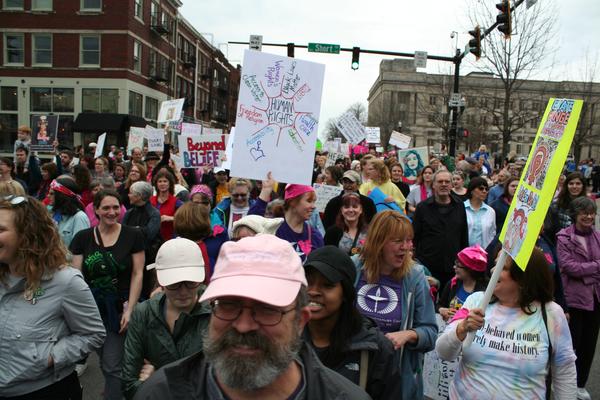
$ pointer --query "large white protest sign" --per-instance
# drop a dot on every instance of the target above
(438, 373)
(229, 150)
(156, 138)
(136, 138)
(177, 160)
(191, 129)
(324, 194)
(212, 131)
(373, 134)
(400, 140)
(277, 118)
(100, 145)
(351, 128)
(200, 150)
(170, 110)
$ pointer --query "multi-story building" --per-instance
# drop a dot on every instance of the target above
(418, 102)
(67, 57)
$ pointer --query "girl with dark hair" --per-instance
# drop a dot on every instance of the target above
(83, 179)
(165, 201)
(339, 334)
(481, 218)
(573, 187)
(398, 179)
(67, 209)
(350, 229)
(333, 175)
(49, 172)
(522, 340)
(111, 257)
(119, 174)
(49, 317)
(502, 204)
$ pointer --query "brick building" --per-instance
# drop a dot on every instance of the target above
(68, 57)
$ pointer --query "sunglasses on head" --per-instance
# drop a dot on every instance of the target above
(15, 200)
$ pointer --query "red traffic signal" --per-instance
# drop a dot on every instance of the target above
(475, 43)
(504, 18)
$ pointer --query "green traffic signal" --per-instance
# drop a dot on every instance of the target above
(355, 56)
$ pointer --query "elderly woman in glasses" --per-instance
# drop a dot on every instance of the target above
(48, 316)
(237, 205)
(171, 324)
(481, 218)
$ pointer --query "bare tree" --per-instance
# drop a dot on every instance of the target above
(514, 60)
(357, 109)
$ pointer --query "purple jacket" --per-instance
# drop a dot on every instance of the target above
(580, 270)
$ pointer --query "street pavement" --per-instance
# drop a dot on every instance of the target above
(93, 382)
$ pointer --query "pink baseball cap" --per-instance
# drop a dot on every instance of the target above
(262, 268)
(292, 190)
(473, 257)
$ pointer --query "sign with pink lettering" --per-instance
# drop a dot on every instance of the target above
(277, 118)
(199, 150)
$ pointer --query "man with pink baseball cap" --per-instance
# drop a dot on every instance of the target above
(253, 346)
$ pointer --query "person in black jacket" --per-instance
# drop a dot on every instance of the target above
(351, 182)
(344, 340)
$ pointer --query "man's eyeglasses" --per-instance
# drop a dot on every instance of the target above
(187, 284)
(264, 315)
(15, 200)
(239, 195)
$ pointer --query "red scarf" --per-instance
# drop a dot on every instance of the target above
(166, 208)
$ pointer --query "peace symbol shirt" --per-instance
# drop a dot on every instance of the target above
(381, 301)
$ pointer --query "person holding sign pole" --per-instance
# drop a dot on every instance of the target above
(522, 347)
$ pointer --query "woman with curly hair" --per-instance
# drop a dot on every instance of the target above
(47, 313)
(137, 173)
(165, 201)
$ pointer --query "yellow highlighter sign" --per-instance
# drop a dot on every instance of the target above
(538, 182)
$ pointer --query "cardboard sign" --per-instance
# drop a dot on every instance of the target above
(136, 138)
(100, 145)
(44, 131)
(351, 128)
(191, 129)
(373, 134)
(229, 150)
(277, 118)
(170, 110)
(400, 140)
(156, 138)
(333, 157)
(200, 150)
(438, 373)
(324, 194)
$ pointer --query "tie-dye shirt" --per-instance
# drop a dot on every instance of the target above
(508, 358)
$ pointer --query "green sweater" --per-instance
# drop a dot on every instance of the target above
(148, 337)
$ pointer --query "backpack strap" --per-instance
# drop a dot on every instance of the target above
(364, 369)
(549, 375)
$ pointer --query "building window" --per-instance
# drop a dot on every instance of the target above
(13, 4)
(14, 53)
(154, 14)
(42, 49)
(100, 100)
(139, 9)
(90, 50)
(8, 131)
(136, 101)
(52, 99)
(151, 111)
(519, 149)
(8, 98)
(41, 5)
(431, 118)
(432, 100)
(137, 56)
(91, 5)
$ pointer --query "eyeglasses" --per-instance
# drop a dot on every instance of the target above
(15, 200)
(239, 195)
(187, 284)
(227, 310)
(483, 188)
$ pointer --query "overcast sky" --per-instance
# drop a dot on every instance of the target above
(402, 26)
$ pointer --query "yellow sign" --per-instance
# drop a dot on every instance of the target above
(540, 176)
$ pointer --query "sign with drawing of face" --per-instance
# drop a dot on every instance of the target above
(413, 160)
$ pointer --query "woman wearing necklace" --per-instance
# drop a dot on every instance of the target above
(111, 257)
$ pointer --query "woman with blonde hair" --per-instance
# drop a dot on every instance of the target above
(379, 176)
(48, 315)
(137, 173)
(393, 291)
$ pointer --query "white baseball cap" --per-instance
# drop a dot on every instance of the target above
(178, 260)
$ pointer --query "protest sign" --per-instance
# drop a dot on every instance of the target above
(373, 134)
(438, 373)
(538, 182)
(332, 158)
(212, 131)
(177, 160)
(191, 129)
(324, 194)
(45, 129)
(277, 118)
(200, 150)
(413, 160)
(170, 110)
(379, 149)
(100, 145)
(400, 140)
(345, 149)
(136, 138)
(229, 150)
(156, 138)
(351, 128)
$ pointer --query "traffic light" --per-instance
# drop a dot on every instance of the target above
(504, 18)
(475, 43)
(290, 47)
(355, 55)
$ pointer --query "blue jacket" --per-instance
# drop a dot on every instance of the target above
(221, 211)
(423, 322)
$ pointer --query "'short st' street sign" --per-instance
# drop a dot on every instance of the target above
(324, 48)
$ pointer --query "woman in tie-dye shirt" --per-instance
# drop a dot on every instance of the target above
(513, 345)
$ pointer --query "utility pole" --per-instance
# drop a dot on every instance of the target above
(453, 134)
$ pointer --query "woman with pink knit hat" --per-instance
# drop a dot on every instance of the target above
(471, 276)
(299, 205)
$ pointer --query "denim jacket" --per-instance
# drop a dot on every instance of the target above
(61, 321)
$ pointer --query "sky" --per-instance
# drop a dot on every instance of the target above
(400, 26)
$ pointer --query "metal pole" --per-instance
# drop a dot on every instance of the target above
(454, 124)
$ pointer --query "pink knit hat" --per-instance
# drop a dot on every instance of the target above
(473, 257)
(292, 190)
(201, 189)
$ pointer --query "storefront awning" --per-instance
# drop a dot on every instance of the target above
(103, 122)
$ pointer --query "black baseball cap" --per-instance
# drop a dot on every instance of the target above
(333, 263)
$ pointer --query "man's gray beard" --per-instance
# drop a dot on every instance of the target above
(248, 373)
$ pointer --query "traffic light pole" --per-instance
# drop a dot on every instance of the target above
(453, 131)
